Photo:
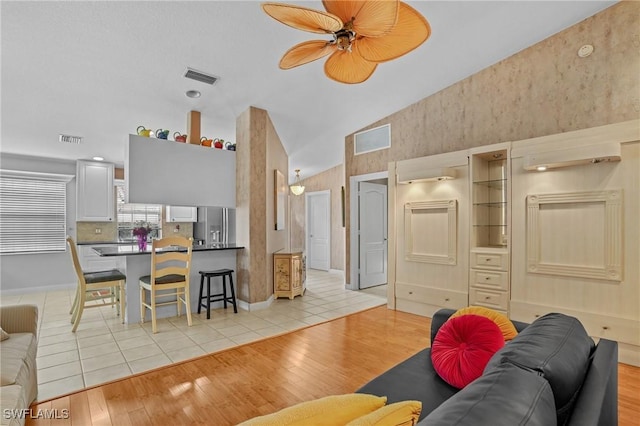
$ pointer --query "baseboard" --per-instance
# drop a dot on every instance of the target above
(25, 290)
(255, 306)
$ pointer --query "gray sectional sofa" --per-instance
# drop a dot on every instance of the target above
(18, 361)
(552, 373)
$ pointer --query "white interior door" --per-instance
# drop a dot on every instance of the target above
(318, 230)
(373, 234)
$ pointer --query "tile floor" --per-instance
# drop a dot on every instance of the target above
(104, 349)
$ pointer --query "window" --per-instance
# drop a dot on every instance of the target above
(372, 140)
(132, 215)
(32, 212)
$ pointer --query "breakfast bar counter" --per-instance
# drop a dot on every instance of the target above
(138, 263)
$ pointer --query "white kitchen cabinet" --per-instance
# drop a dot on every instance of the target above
(181, 214)
(94, 192)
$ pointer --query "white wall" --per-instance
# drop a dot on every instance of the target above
(33, 272)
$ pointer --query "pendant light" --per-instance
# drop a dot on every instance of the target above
(297, 187)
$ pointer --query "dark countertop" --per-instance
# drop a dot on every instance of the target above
(132, 249)
(99, 243)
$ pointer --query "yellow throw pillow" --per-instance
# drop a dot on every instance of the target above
(403, 413)
(330, 410)
(506, 326)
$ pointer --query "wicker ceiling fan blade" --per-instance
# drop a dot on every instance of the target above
(302, 18)
(370, 18)
(348, 67)
(410, 32)
(306, 52)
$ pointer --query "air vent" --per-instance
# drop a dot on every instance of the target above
(70, 139)
(200, 76)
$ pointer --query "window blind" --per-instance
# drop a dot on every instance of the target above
(32, 214)
(130, 215)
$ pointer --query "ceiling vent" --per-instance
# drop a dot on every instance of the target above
(70, 139)
(200, 76)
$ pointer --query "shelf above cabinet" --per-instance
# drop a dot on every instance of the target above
(495, 204)
(494, 184)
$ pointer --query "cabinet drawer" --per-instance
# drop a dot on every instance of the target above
(441, 297)
(488, 298)
(495, 280)
(490, 260)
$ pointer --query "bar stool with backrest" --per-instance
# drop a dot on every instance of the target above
(95, 286)
(170, 269)
(219, 297)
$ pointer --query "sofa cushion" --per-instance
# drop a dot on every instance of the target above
(462, 348)
(18, 365)
(504, 396)
(412, 379)
(557, 347)
(404, 413)
(12, 398)
(506, 326)
(330, 410)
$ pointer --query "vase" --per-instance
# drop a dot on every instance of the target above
(142, 242)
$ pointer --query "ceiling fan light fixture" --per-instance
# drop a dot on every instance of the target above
(297, 188)
(365, 33)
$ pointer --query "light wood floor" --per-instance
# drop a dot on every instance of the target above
(261, 377)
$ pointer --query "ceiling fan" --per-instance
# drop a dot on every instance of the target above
(365, 33)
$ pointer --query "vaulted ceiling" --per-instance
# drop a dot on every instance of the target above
(101, 69)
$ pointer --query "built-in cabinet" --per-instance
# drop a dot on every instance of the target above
(181, 214)
(489, 246)
(94, 192)
(548, 224)
(289, 274)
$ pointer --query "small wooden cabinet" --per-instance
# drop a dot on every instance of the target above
(289, 274)
(95, 192)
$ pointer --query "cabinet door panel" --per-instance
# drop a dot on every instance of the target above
(94, 192)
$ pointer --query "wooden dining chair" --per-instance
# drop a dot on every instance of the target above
(95, 286)
(170, 269)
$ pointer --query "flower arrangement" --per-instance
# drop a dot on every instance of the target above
(142, 229)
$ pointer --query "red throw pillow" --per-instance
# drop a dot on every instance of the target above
(463, 347)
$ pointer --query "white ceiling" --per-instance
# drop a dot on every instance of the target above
(101, 69)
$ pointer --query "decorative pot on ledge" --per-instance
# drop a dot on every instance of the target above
(142, 242)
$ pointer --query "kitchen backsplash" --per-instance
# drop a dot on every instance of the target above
(184, 229)
(86, 231)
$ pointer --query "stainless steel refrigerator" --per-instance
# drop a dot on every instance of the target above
(215, 225)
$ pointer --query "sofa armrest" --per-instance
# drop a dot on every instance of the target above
(19, 318)
(597, 402)
(440, 317)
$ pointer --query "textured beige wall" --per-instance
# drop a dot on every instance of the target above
(243, 193)
(333, 180)
(276, 240)
(258, 152)
(542, 90)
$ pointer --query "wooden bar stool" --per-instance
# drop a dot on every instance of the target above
(219, 297)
